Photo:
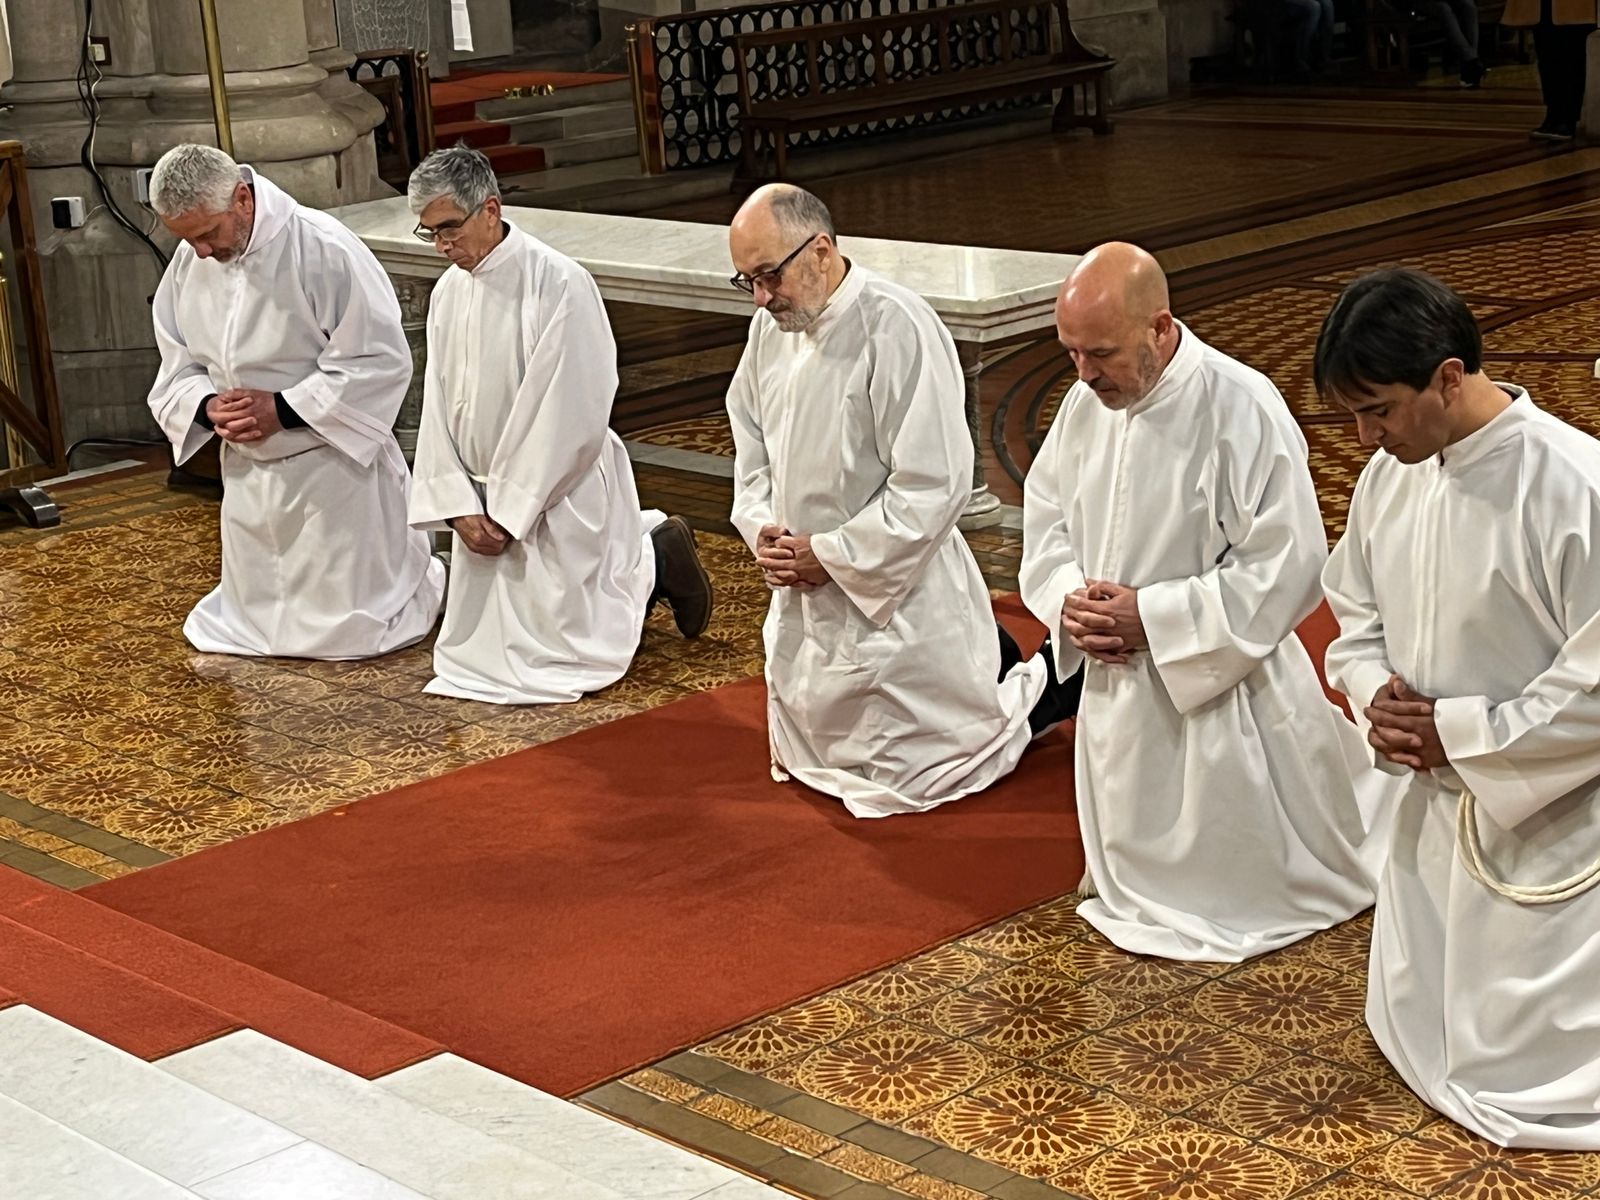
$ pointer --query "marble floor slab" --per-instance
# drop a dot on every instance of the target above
(589, 1145)
(134, 1109)
(421, 1149)
(41, 1159)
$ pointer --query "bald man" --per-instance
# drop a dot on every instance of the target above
(887, 683)
(1173, 541)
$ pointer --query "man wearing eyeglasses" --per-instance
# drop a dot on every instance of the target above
(280, 334)
(554, 566)
(887, 683)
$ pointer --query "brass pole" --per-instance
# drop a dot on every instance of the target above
(16, 451)
(219, 91)
(630, 35)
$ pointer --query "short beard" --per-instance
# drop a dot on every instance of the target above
(796, 320)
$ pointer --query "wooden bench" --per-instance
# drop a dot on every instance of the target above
(844, 71)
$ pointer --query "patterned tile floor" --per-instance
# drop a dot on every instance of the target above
(1029, 1061)
(1035, 1061)
(120, 726)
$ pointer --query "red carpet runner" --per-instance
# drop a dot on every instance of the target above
(571, 912)
(568, 913)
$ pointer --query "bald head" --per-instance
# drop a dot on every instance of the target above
(1117, 277)
(781, 241)
(1114, 317)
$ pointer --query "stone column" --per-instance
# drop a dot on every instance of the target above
(983, 506)
(307, 129)
(414, 294)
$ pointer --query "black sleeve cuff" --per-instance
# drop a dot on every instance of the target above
(287, 417)
(201, 418)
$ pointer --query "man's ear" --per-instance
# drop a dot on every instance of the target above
(1448, 378)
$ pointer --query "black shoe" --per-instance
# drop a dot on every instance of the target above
(1060, 699)
(1472, 73)
(1552, 131)
(681, 579)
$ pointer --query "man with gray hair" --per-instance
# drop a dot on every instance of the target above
(280, 334)
(888, 683)
(554, 565)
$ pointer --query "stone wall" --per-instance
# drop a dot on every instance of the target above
(294, 114)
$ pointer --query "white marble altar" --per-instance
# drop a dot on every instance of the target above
(983, 295)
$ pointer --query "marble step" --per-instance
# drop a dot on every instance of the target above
(415, 1146)
(586, 1143)
(133, 1109)
(305, 1171)
(592, 147)
(540, 128)
(41, 1159)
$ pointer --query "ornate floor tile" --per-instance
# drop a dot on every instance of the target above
(96, 789)
(1292, 1004)
(1353, 1187)
(173, 819)
(1166, 1059)
(790, 1033)
(891, 1070)
(906, 985)
(1318, 1110)
(1137, 977)
(1446, 1162)
(1033, 1122)
(1047, 927)
(1356, 1049)
(1021, 1012)
(1344, 947)
(306, 776)
(1181, 1159)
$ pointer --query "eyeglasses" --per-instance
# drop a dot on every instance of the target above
(446, 231)
(768, 279)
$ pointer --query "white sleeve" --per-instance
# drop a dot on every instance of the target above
(1209, 631)
(352, 396)
(919, 423)
(561, 415)
(1357, 661)
(441, 486)
(752, 469)
(181, 383)
(1051, 570)
(1524, 753)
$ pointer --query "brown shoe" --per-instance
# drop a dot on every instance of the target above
(681, 579)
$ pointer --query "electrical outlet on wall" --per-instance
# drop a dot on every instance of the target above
(141, 184)
(66, 212)
(100, 50)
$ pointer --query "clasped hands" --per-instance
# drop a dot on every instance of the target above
(1403, 728)
(1102, 619)
(243, 414)
(481, 534)
(787, 561)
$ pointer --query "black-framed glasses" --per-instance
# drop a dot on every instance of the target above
(768, 279)
(445, 231)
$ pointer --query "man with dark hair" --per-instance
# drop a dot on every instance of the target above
(1467, 588)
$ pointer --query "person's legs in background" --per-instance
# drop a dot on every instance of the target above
(1561, 51)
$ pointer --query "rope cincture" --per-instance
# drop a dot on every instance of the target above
(1477, 865)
